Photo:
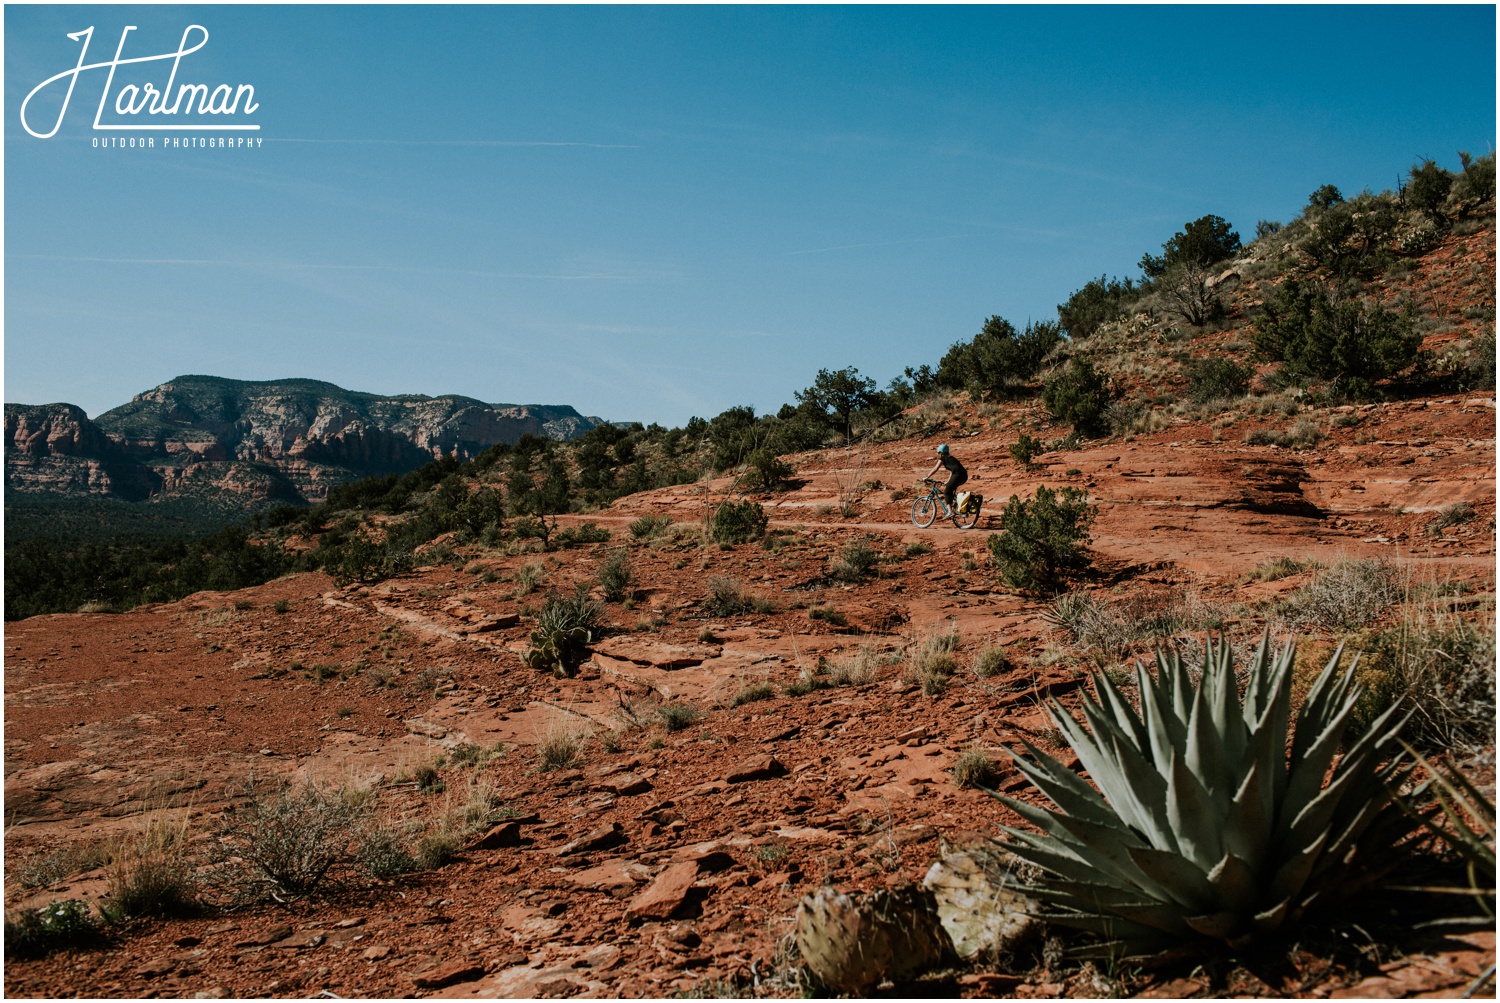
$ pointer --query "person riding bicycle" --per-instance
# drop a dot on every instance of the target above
(956, 473)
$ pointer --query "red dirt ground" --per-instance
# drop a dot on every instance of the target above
(169, 706)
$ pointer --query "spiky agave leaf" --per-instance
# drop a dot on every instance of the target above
(1204, 828)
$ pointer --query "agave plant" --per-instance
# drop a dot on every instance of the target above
(564, 631)
(1464, 819)
(1205, 827)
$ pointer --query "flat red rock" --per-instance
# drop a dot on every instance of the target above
(666, 894)
(447, 975)
(756, 768)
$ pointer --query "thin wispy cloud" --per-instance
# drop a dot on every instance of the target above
(454, 142)
(498, 143)
(876, 243)
(332, 267)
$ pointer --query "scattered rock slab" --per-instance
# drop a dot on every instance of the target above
(624, 784)
(600, 959)
(301, 941)
(156, 968)
(447, 975)
(911, 835)
(376, 952)
(417, 726)
(666, 894)
(614, 875)
(711, 857)
(268, 936)
(762, 767)
(525, 982)
(601, 838)
(503, 835)
(655, 653)
(527, 923)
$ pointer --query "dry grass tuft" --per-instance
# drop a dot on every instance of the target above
(975, 768)
(150, 872)
(930, 662)
(561, 747)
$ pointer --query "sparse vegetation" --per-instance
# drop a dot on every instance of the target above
(1352, 344)
(991, 661)
(527, 577)
(677, 716)
(855, 561)
(47, 869)
(1278, 568)
(616, 576)
(1217, 378)
(998, 360)
(1079, 395)
(383, 854)
(1302, 434)
(1194, 829)
(648, 527)
(974, 767)
(1025, 449)
(150, 872)
(559, 748)
(280, 841)
(1042, 538)
(727, 597)
(564, 630)
(1443, 668)
(771, 471)
(59, 925)
(753, 693)
(437, 848)
(1456, 514)
(858, 669)
(930, 662)
(738, 522)
(1346, 596)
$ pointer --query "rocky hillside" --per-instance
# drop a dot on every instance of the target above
(257, 441)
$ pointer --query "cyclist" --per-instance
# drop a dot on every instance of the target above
(956, 474)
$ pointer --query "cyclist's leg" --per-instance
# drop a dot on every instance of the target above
(951, 489)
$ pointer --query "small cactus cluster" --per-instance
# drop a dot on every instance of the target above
(558, 651)
(853, 942)
(564, 630)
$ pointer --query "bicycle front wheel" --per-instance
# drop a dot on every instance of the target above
(966, 520)
(923, 511)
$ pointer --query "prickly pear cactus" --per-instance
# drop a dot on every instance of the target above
(977, 902)
(558, 651)
(851, 943)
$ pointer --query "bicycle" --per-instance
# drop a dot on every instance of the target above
(924, 508)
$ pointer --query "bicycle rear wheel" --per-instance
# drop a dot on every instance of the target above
(923, 511)
(966, 520)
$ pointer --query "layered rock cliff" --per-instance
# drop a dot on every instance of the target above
(267, 441)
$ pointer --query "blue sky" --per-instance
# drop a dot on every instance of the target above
(651, 213)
